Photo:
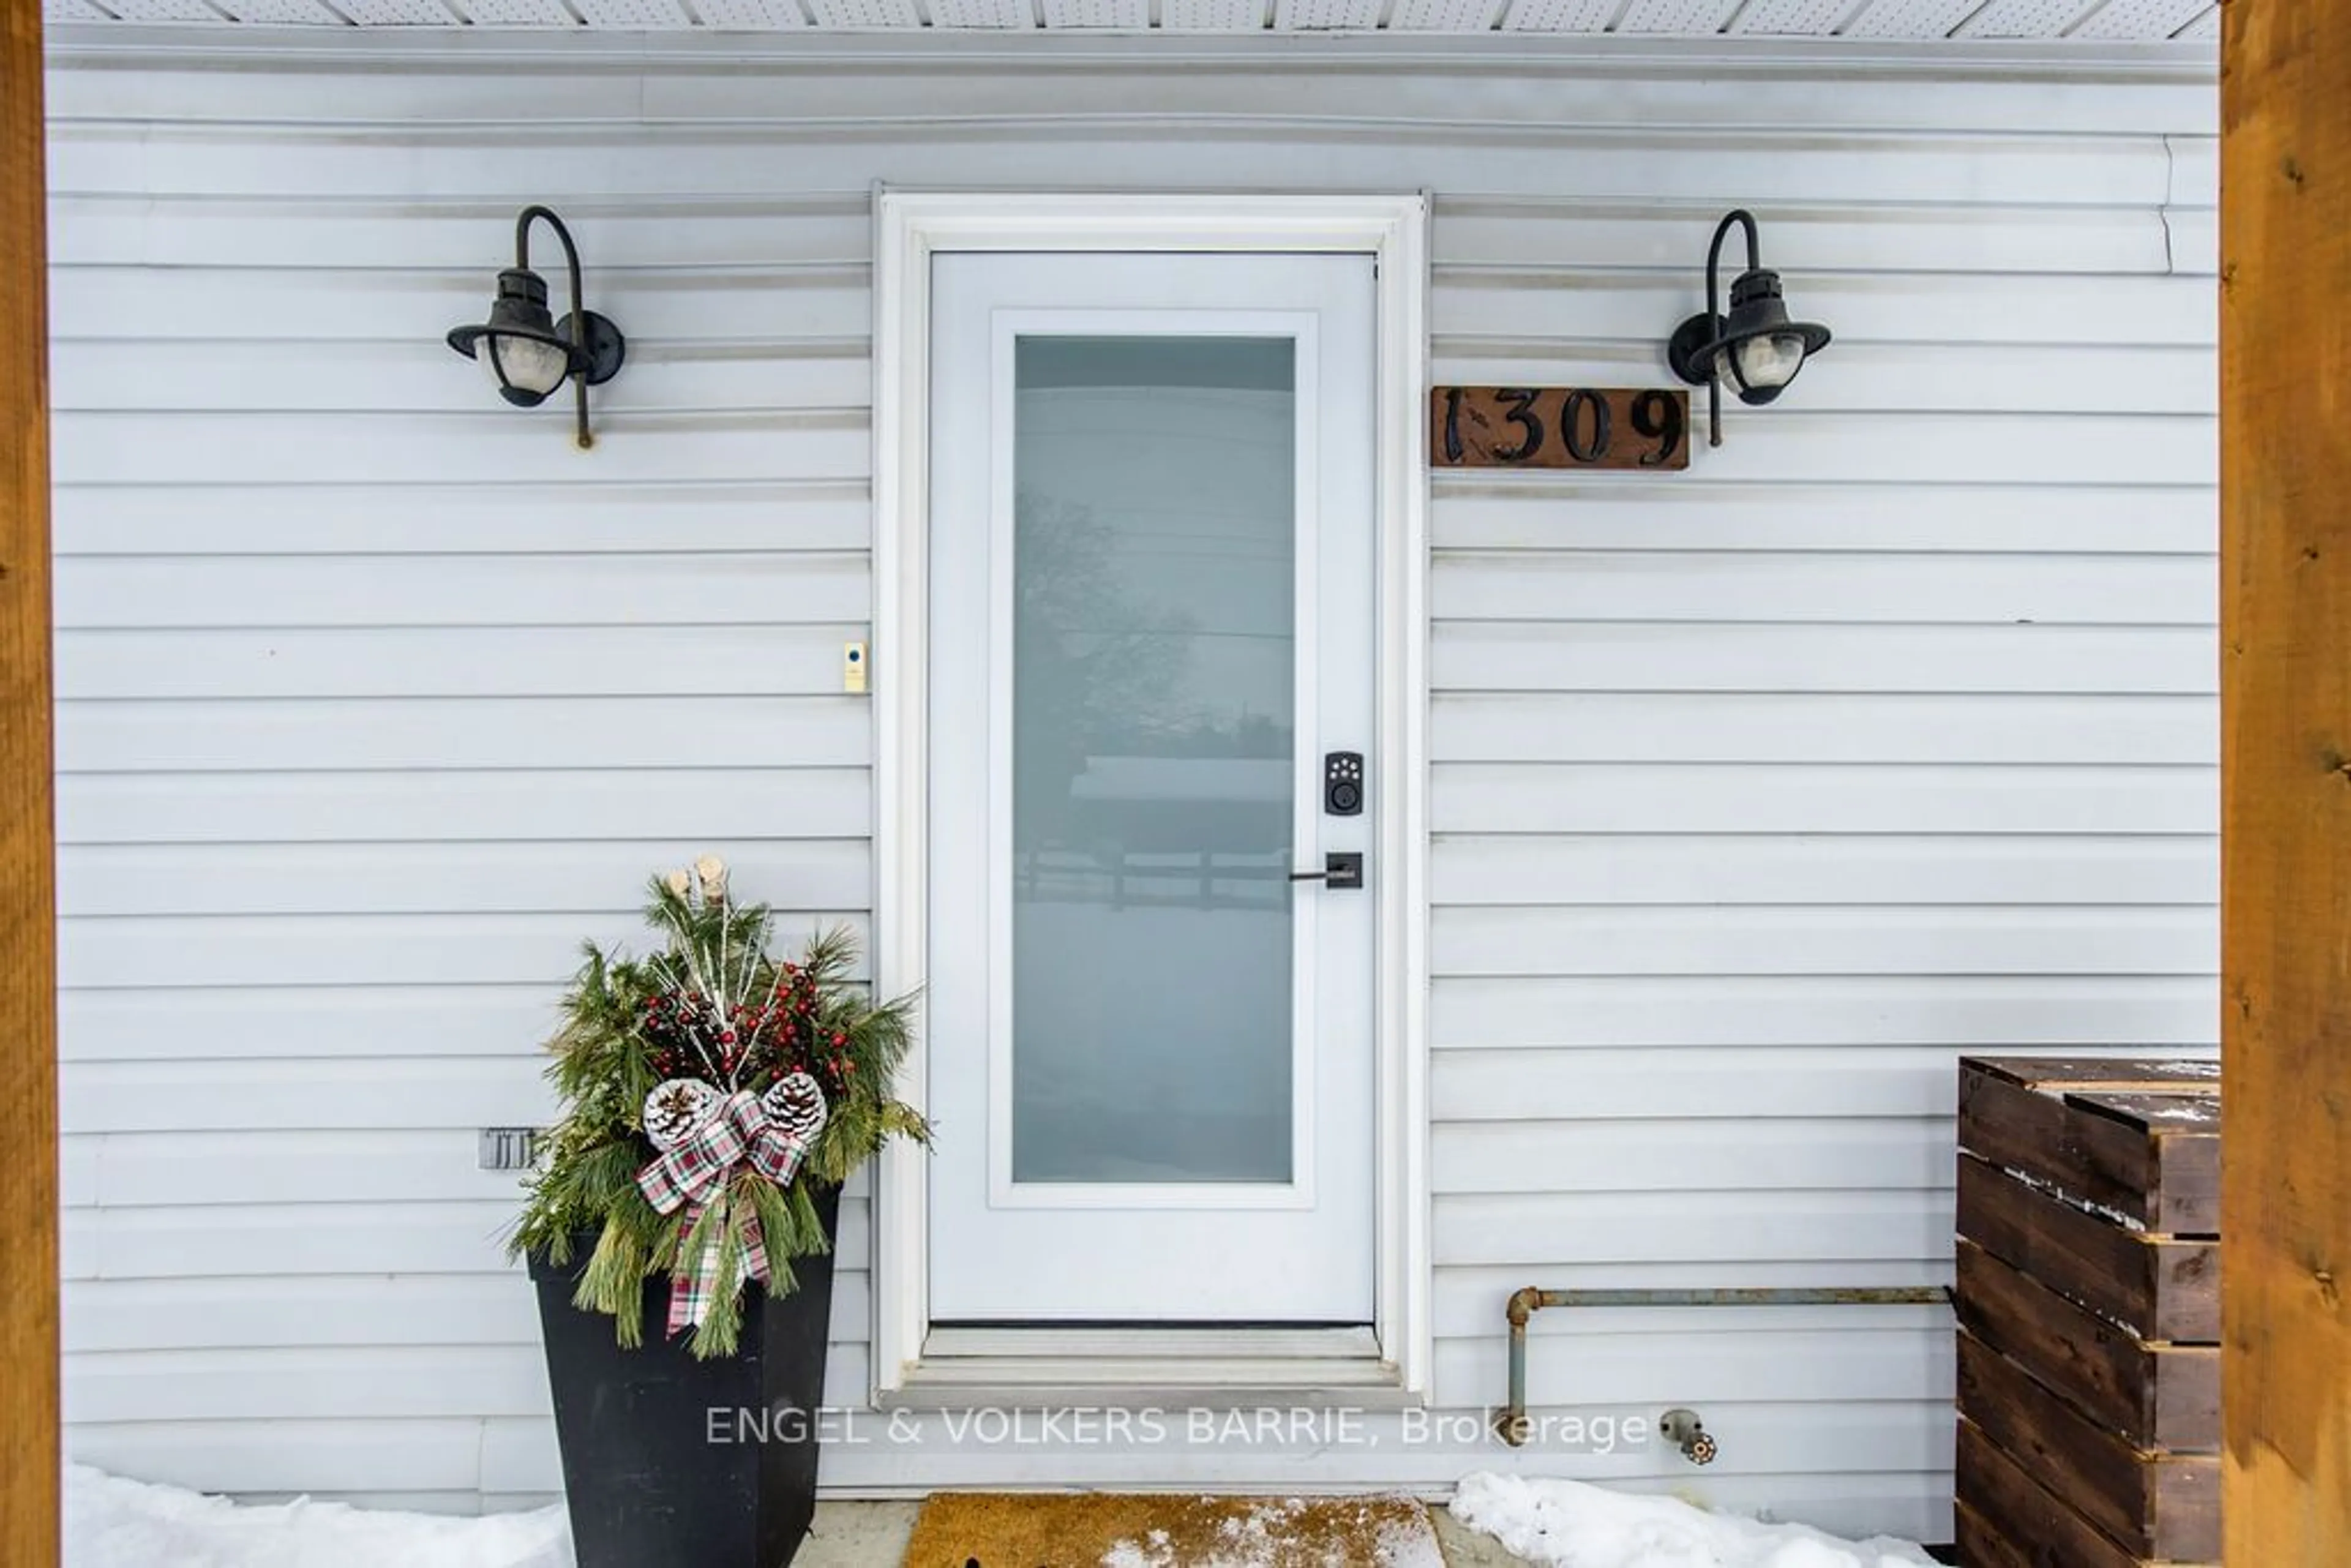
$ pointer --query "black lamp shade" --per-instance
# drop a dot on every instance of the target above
(529, 354)
(526, 353)
(1755, 350)
(1760, 351)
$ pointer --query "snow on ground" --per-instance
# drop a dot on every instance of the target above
(110, 1522)
(1567, 1524)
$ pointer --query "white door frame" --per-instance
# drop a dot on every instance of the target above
(910, 227)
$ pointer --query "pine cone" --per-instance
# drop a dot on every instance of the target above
(678, 1109)
(796, 1107)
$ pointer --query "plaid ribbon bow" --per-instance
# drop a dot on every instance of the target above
(690, 1175)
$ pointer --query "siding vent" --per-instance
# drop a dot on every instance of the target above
(508, 1148)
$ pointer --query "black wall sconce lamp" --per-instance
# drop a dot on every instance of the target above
(527, 352)
(1756, 348)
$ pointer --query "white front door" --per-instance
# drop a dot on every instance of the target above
(1153, 617)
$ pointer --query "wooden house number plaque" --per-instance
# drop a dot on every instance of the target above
(1558, 427)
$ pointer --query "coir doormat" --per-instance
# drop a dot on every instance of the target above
(1143, 1529)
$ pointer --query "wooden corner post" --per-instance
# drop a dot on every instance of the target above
(2285, 780)
(28, 1055)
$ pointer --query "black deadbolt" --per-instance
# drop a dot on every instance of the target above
(1342, 783)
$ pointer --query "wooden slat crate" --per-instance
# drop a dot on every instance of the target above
(2158, 1287)
(2088, 1299)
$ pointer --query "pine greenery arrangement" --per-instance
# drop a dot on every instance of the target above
(708, 1091)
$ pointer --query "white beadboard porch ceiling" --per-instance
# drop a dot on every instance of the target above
(1912, 21)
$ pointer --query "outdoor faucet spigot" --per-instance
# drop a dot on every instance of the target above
(1686, 1432)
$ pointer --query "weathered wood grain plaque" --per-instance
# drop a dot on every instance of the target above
(1559, 427)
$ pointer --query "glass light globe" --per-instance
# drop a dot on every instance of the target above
(524, 363)
(1770, 359)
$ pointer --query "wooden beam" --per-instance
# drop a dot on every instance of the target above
(28, 1054)
(2285, 773)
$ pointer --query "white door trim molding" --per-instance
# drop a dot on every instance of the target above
(910, 227)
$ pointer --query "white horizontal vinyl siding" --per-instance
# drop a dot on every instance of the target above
(1760, 792)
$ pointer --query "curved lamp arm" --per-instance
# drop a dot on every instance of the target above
(578, 317)
(1744, 219)
(1739, 215)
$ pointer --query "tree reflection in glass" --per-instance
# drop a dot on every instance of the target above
(1154, 668)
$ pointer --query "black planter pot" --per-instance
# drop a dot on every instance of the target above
(670, 1462)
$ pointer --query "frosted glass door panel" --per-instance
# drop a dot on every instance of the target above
(1151, 603)
(1154, 672)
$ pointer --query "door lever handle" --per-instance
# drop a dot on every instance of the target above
(1342, 869)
